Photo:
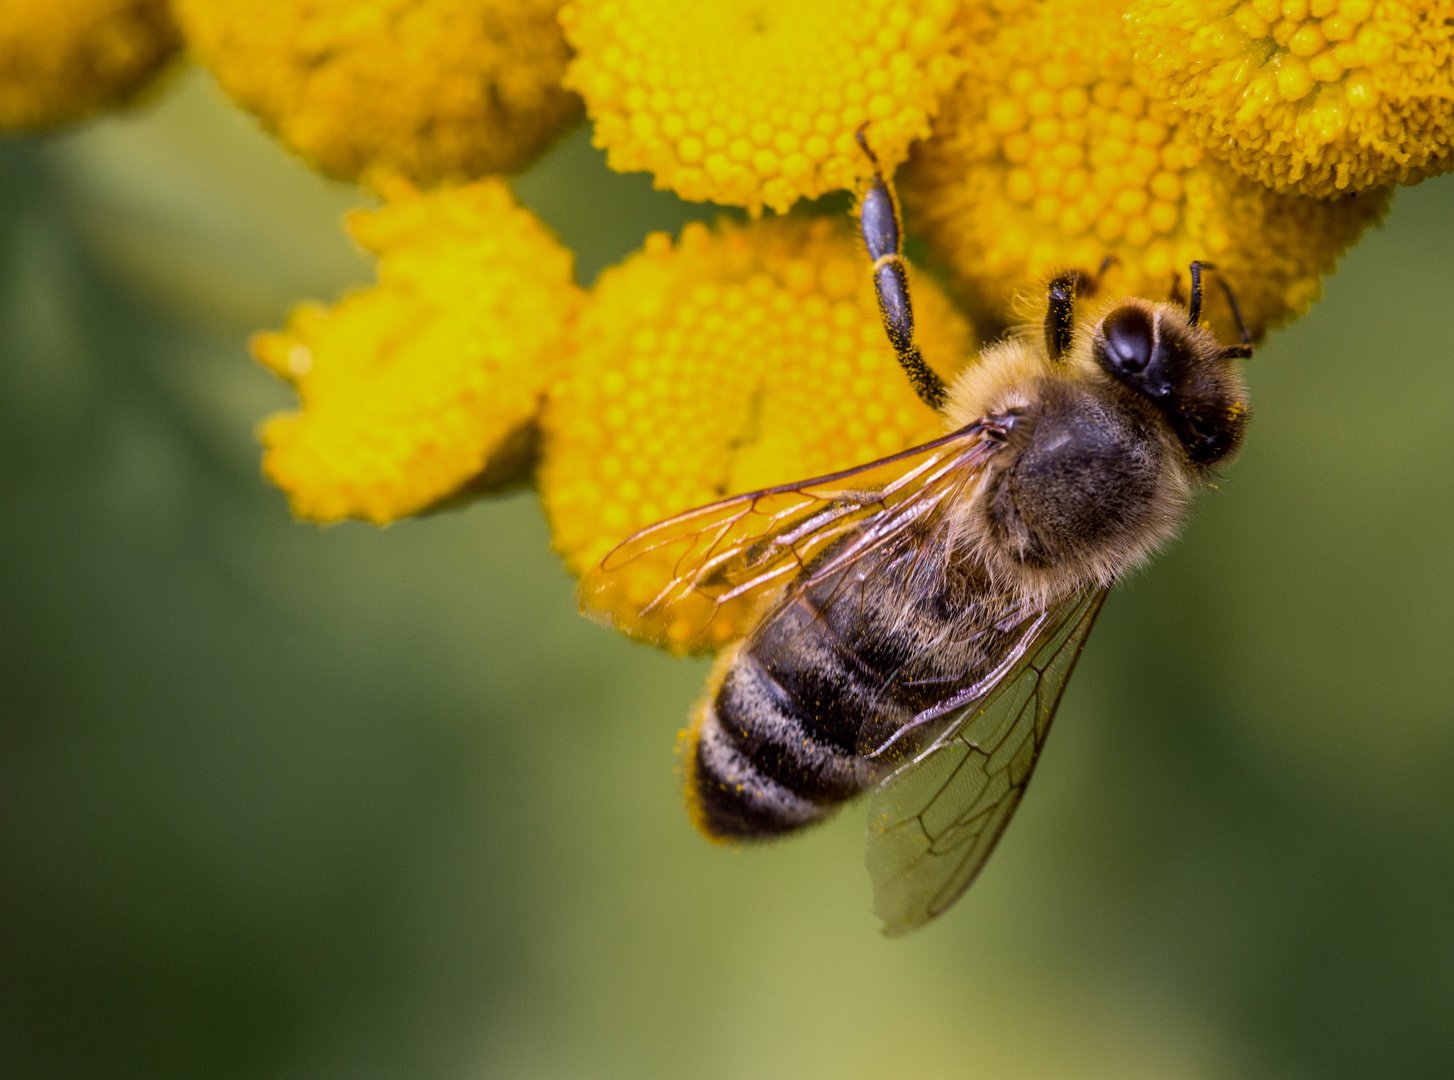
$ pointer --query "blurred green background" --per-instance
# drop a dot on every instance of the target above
(285, 802)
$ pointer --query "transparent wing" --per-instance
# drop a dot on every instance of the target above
(933, 822)
(692, 582)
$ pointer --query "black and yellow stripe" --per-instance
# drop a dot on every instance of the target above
(775, 745)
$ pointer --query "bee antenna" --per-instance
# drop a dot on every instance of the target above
(863, 144)
(1246, 349)
(1194, 309)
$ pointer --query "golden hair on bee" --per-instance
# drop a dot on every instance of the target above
(912, 622)
(1134, 368)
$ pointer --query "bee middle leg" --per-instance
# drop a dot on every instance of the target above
(878, 218)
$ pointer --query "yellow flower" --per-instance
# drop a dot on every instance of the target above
(753, 104)
(1314, 96)
(427, 383)
(738, 358)
(63, 59)
(427, 88)
(1049, 157)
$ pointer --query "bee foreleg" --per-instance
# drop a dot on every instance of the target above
(1060, 316)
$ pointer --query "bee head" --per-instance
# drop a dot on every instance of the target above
(1153, 350)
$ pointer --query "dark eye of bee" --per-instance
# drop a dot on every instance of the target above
(1129, 337)
(1187, 386)
(1126, 346)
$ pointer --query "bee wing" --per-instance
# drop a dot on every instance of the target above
(933, 822)
(692, 582)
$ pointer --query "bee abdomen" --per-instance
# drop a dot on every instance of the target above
(777, 734)
(733, 799)
(756, 770)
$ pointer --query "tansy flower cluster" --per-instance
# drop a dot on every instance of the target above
(1125, 138)
(1052, 155)
(61, 60)
(421, 386)
(739, 358)
(704, 366)
(1320, 97)
(752, 104)
(434, 90)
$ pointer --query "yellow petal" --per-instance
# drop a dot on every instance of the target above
(63, 59)
(413, 389)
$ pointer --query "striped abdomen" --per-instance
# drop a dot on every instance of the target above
(777, 743)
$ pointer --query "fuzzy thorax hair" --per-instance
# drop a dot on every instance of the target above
(1095, 476)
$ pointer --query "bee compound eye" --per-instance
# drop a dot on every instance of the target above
(1129, 339)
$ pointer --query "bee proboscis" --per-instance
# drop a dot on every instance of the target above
(916, 618)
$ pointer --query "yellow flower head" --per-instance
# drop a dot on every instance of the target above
(426, 88)
(1314, 96)
(753, 104)
(421, 386)
(738, 358)
(1049, 157)
(62, 59)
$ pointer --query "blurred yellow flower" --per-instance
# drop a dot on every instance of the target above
(427, 88)
(1047, 156)
(1314, 96)
(737, 358)
(743, 355)
(63, 59)
(427, 383)
(750, 104)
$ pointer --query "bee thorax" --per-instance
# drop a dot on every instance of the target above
(1087, 486)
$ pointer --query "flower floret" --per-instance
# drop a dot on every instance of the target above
(1320, 97)
(63, 59)
(1052, 157)
(735, 359)
(411, 389)
(428, 88)
(750, 104)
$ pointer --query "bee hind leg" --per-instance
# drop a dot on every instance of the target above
(878, 218)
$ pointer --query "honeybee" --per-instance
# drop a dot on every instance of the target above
(915, 619)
